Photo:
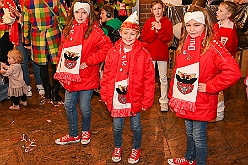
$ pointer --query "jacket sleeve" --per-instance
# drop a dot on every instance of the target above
(165, 34)
(104, 45)
(230, 71)
(104, 80)
(26, 26)
(147, 34)
(149, 83)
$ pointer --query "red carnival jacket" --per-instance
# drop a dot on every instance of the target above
(94, 51)
(158, 42)
(141, 77)
(219, 70)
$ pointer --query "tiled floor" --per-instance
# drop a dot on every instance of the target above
(163, 134)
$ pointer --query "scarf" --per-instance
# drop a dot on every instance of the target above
(121, 99)
(70, 56)
(186, 76)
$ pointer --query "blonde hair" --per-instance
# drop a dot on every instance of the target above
(16, 55)
(230, 7)
(154, 2)
(208, 30)
(92, 19)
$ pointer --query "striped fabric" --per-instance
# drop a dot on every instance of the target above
(41, 30)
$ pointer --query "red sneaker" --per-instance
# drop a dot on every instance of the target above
(180, 161)
(134, 157)
(116, 156)
(67, 140)
(85, 137)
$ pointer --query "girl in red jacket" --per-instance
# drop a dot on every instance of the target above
(83, 47)
(127, 85)
(157, 32)
(203, 68)
(225, 31)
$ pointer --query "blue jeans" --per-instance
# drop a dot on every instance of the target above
(196, 141)
(24, 64)
(71, 100)
(135, 125)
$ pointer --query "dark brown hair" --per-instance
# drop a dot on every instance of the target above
(92, 19)
(109, 9)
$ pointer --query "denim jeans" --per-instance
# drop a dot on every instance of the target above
(196, 141)
(162, 69)
(135, 125)
(71, 100)
(24, 65)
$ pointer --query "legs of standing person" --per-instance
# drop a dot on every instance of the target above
(162, 69)
(44, 74)
(55, 86)
(85, 107)
(24, 65)
(118, 124)
(71, 99)
(23, 100)
(117, 127)
(37, 78)
(137, 130)
(221, 106)
(15, 103)
(137, 137)
(196, 141)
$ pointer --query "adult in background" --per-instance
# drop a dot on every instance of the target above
(17, 11)
(112, 24)
(43, 33)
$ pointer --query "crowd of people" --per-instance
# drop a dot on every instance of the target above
(205, 66)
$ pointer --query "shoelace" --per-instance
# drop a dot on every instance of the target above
(85, 135)
(117, 151)
(180, 160)
(65, 137)
(134, 153)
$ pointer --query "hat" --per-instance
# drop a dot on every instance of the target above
(132, 22)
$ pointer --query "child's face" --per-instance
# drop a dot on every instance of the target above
(11, 60)
(103, 16)
(222, 13)
(80, 15)
(194, 28)
(129, 36)
(157, 10)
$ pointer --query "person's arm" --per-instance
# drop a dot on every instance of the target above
(26, 26)
(105, 77)
(230, 71)
(104, 44)
(147, 34)
(149, 83)
(165, 34)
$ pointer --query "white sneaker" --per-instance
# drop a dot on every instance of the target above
(40, 89)
(164, 107)
(29, 94)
